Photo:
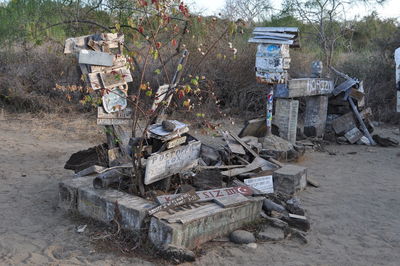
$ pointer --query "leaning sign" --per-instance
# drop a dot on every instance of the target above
(170, 162)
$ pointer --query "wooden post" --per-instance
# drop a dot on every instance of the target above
(270, 105)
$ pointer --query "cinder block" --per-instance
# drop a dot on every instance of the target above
(193, 227)
(285, 118)
(290, 179)
(68, 192)
(315, 116)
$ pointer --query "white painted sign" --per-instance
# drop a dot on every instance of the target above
(397, 60)
(262, 183)
(211, 194)
(170, 162)
(122, 117)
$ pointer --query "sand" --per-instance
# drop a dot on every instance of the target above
(355, 213)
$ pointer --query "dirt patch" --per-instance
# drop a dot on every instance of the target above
(354, 213)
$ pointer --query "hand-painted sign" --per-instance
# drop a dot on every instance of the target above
(262, 183)
(122, 117)
(170, 162)
(211, 194)
(184, 198)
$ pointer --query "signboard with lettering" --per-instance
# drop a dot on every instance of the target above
(122, 117)
(211, 194)
(170, 162)
(262, 183)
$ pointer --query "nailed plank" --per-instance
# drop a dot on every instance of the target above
(247, 147)
(211, 194)
(113, 79)
(184, 198)
(95, 58)
(257, 163)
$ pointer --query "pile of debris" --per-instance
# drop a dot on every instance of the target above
(349, 120)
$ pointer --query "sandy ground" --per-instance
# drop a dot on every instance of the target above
(355, 213)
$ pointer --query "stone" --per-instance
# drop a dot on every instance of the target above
(168, 126)
(252, 245)
(190, 228)
(242, 237)
(178, 254)
(293, 206)
(285, 118)
(275, 221)
(269, 205)
(255, 127)
(271, 234)
(297, 221)
(315, 116)
(290, 179)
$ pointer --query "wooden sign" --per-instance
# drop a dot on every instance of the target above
(95, 58)
(262, 183)
(182, 199)
(176, 142)
(170, 162)
(122, 117)
(212, 194)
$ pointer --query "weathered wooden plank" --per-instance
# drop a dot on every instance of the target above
(303, 87)
(256, 164)
(276, 29)
(112, 79)
(170, 162)
(184, 198)
(176, 142)
(253, 40)
(231, 201)
(344, 123)
(95, 58)
(211, 194)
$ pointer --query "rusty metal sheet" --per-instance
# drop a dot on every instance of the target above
(184, 198)
(170, 162)
(212, 194)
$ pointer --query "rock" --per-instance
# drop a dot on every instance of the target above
(272, 234)
(168, 126)
(242, 237)
(252, 245)
(296, 234)
(178, 254)
(274, 221)
(298, 221)
(279, 148)
(269, 205)
(293, 206)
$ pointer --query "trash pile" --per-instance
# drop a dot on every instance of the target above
(349, 120)
(177, 185)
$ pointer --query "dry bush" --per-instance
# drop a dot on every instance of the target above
(28, 77)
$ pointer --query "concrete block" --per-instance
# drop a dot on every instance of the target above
(68, 192)
(290, 179)
(315, 116)
(192, 227)
(304, 87)
(78, 194)
(285, 118)
(101, 205)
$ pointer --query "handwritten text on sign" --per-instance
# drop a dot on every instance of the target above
(170, 162)
(208, 195)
